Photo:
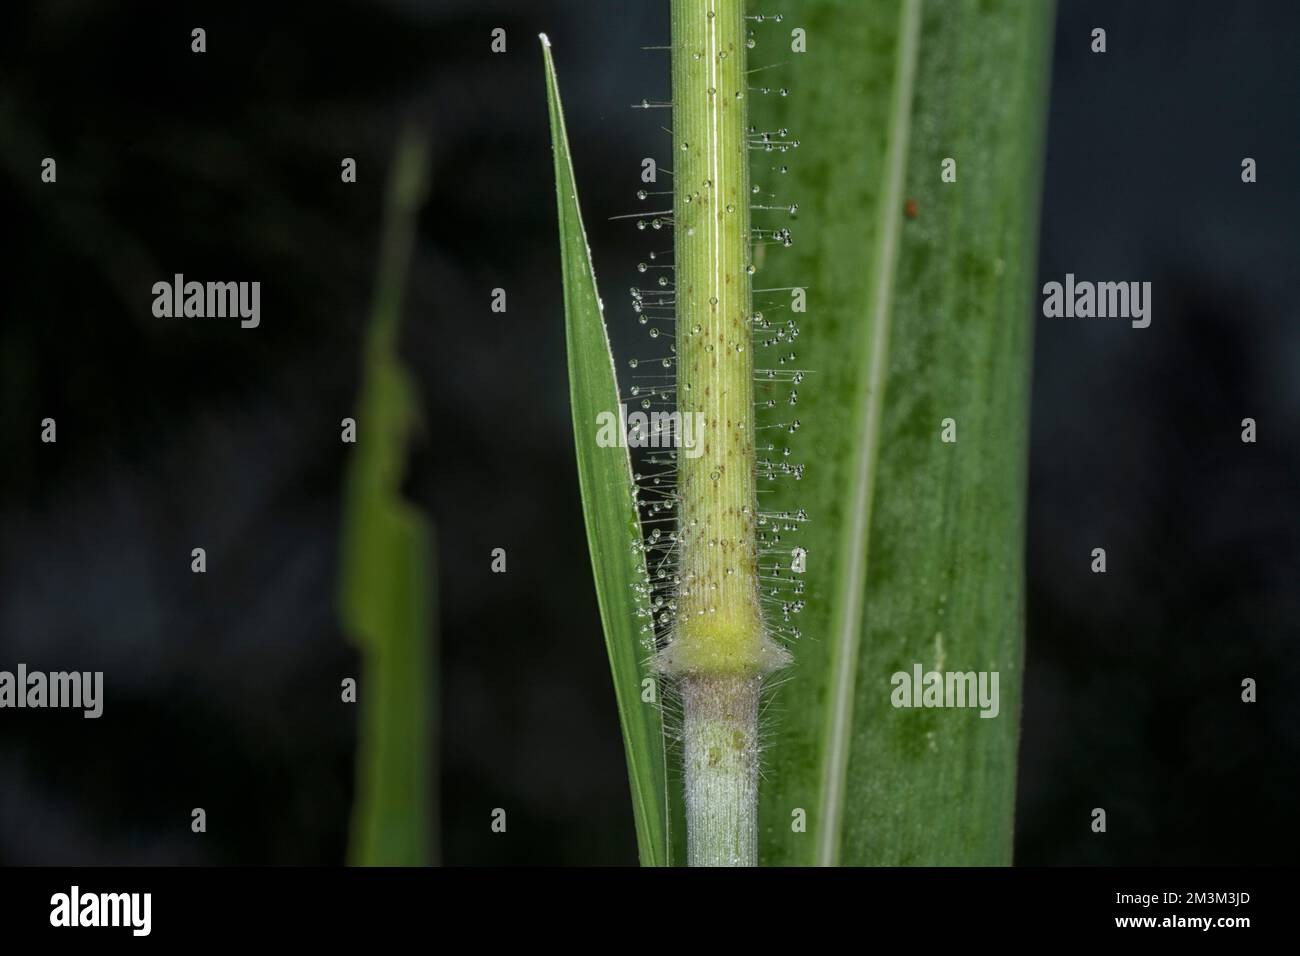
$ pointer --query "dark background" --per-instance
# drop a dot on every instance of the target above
(222, 689)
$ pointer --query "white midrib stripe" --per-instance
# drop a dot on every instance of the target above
(846, 625)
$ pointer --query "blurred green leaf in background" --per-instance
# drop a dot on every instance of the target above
(387, 589)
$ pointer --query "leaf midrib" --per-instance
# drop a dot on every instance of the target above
(850, 589)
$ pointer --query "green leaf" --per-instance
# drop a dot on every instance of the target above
(605, 480)
(387, 581)
(915, 546)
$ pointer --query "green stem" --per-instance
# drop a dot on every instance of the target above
(719, 649)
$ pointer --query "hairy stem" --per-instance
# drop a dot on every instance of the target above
(718, 650)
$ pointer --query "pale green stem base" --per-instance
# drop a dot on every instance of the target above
(720, 742)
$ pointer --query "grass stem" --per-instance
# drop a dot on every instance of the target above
(718, 649)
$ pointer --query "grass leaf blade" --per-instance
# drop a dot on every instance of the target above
(605, 479)
(915, 544)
